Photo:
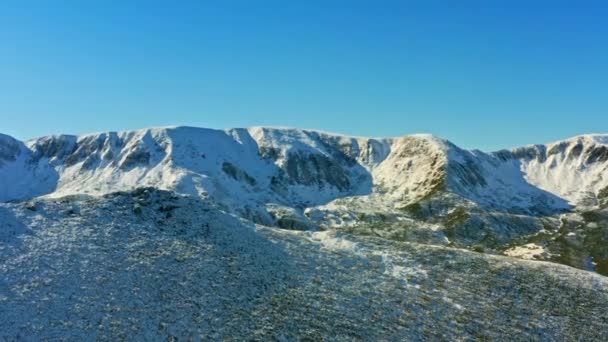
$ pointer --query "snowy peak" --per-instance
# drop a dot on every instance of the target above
(19, 177)
(247, 164)
(588, 149)
(299, 168)
(574, 169)
(414, 168)
(276, 141)
(587, 139)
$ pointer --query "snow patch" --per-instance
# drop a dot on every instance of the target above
(333, 241)
(527, 252)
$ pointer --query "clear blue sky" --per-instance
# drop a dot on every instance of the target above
(486, 74)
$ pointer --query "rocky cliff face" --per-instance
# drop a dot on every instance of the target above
(574, 169)
(10, 149)
(414, 188)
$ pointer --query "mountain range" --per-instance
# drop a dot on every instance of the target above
(417, 195)
(414, 188)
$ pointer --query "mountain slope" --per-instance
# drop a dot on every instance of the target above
(414, 188)
(154, 265)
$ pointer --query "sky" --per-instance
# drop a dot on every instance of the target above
(483, 74)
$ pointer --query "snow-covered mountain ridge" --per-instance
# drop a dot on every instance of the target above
(310, 166)
(418, 187)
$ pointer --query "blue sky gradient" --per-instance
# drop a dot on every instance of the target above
(484, 74)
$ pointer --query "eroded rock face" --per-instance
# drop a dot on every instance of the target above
(576, 150)
(237, 174)
(93, 151)
(54, 148)
(314, 169)
(134, 158)
(597, 154)
(10, 149)
(272, 153)
(372, 152)
(87, 148)
(602, 197)
(415, 169)
(537, 152)
(344, 152)
(318, 160)
(67, 151)
(572, 149)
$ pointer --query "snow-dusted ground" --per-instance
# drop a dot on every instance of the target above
(153, 265)
(529, 251)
